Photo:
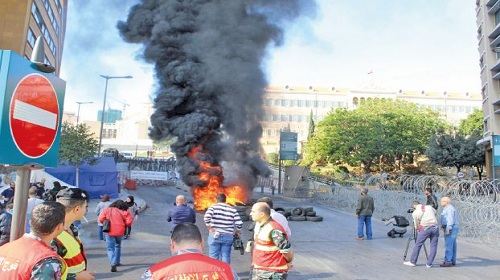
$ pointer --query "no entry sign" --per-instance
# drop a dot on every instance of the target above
(31, 113)
(34, 115)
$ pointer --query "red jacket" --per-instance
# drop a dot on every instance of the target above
(119, 220)
(191, 266)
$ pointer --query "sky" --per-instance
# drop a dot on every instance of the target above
(410, 45)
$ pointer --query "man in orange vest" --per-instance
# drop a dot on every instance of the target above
(188, 261)
(30, 256)
(272, 252)
(68, 244)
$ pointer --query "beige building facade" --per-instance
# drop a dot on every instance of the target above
(22, 21)
(288, 106)
(488, 35)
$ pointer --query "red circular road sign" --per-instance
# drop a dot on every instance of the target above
(34, 115)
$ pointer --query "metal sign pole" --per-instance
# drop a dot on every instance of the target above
(20, 203)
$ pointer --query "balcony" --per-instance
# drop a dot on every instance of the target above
(491, 3)
(495, 32)
(494, 9)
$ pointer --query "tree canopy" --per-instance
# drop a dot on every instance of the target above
(473, 124)
(77, 144)
(379, 131)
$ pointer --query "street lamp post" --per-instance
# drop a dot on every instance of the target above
(78, 114)
(104, 104)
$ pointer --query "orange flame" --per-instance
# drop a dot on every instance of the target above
(204, 197)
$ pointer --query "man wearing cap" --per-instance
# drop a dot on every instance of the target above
(68, 243)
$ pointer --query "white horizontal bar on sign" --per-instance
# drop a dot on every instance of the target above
(32, 114)
(149, 175)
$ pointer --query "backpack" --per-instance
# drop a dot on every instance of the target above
(401, 221)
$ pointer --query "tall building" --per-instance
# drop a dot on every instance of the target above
(488, 35)
(293, 107)
(22, 21)
(110, 115)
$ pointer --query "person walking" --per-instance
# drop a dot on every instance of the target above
(223, 222)
(134, 212)
(181, 213)
(68, 243)
(5, 225)
(431, 198)
(103, 204)
(450, 225)
(364, 212)
(272, 254)
(119, 218)
(31, 257)
(426, 224)
(188, 261)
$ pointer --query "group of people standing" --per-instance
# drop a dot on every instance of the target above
(425, 222)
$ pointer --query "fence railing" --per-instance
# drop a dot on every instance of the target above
(477, 202)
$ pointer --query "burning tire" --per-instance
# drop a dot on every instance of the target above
(314, 219)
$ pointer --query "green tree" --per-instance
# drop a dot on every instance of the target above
(473, 124)
(447, 149)
(377, 132)
(78, 146)
(310, 134)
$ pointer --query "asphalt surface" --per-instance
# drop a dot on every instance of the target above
(323, 250)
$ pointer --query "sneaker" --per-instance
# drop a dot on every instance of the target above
(446, 264)
(113, 268)
(428, 266)
(360, 238)
(408, 263)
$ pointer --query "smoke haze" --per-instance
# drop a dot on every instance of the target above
(208, 58)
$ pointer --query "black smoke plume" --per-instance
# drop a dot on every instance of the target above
(208, 57)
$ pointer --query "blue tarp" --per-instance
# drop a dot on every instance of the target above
(97, 180)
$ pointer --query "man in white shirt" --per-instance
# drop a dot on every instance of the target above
(276, 216)
(425, 222)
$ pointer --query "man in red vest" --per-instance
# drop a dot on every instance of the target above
(30, 256)
(188, 261)
(272, 252)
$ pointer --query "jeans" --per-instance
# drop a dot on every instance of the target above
(101, 234)
(365, 220)
(433, 234)
(220, 248)
(114, 245)
(450, 246)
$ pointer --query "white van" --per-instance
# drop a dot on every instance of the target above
(127, 155)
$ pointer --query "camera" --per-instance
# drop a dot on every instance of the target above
(238, 244)
(410, 210)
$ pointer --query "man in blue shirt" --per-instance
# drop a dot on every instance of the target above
(450, 225)
(181, 213)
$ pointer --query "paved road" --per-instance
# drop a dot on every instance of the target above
(323, 250)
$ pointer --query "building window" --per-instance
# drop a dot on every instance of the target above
(497, 17)
(293, 103)
(286, 102)
(308, 103)
(300, 103)
(277, 102)
(355, 101)
(268, 102)
(275, 118)
(31, 38)
(269, 132)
